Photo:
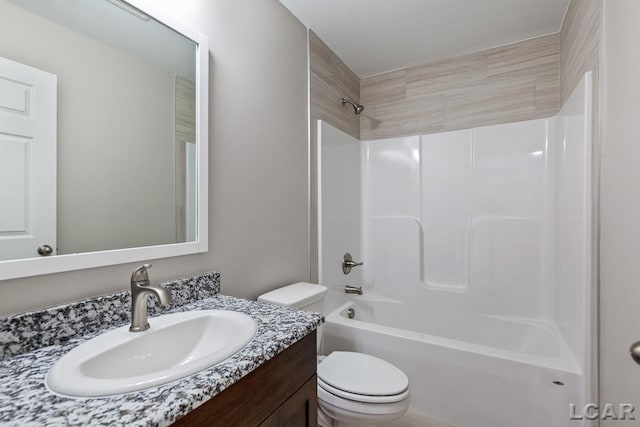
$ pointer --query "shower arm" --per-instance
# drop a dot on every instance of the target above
(357, 108)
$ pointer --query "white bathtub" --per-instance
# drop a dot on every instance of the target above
(467, 370)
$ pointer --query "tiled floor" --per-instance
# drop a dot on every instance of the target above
(415, 420)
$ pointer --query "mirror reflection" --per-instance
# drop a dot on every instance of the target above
(97, 129)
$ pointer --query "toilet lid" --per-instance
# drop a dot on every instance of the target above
(358, 398)
(362, 374)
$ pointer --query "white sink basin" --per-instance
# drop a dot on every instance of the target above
(176, 345)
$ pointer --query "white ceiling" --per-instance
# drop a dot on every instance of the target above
(373, 36)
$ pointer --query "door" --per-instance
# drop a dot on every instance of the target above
(620, 215)
(27, 160)
(300, 410)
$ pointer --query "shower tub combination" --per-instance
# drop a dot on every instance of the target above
(475, 371)
(476, 276)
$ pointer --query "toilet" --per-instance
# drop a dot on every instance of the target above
(354, 389)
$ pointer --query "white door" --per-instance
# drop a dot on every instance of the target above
(27, 160)
(620, 213)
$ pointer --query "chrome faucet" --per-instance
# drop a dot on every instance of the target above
(357, 290)
(140, 288)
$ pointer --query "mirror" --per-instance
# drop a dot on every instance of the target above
(102, 135)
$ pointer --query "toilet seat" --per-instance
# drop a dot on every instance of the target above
(362, 378)
(362, 397)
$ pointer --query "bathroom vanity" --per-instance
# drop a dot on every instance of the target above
(271, 381)
(282, 392)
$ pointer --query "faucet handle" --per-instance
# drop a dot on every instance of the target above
(140, 274)
(348, 263)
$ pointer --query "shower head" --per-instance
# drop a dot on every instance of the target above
(357, 108)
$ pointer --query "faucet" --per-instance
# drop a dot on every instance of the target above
(348, 263)
(140, 288)
(357, 290)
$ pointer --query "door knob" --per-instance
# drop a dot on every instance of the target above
(45, 250)
(635, 352)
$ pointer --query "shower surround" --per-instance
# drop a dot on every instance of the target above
(476, 249)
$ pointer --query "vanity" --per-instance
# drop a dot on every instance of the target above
(282, 392)
(270, 381)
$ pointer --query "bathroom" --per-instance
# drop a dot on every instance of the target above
(486, 186)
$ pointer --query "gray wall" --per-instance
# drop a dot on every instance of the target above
(99, 85)
(257, 165)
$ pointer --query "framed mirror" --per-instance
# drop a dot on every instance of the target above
(103, 135)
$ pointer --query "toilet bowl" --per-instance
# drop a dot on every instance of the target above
(359, 389)
(354, 389)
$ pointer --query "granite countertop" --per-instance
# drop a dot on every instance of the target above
(31, 343)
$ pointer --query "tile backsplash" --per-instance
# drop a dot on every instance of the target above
(30, 331)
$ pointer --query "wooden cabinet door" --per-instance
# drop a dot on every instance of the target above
(286, 384)
(300, 410)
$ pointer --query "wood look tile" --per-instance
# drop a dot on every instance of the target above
(328, 66)
(525, 59)
(332, 80)
(446, 75)
(414, 116)
(515, 82)
(327, 106)
(579, 43)
(490, 103)
(548, 94)
(319, 57)
(384, 88)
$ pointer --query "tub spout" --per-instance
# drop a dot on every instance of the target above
(357, 290)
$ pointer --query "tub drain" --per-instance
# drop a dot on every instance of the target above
(351, 313)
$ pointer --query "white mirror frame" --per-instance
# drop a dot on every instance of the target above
(12, 269)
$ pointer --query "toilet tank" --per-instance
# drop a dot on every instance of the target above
(303, 296)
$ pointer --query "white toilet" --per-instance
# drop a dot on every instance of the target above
(354, 389)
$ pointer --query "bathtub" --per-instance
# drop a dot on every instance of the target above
(466, 370)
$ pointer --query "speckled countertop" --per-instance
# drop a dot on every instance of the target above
(31, 343)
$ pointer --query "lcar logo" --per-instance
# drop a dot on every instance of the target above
(591, 411)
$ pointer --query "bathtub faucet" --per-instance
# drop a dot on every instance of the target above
(357, 290)
(348, 263)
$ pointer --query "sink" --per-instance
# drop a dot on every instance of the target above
(177, 345)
